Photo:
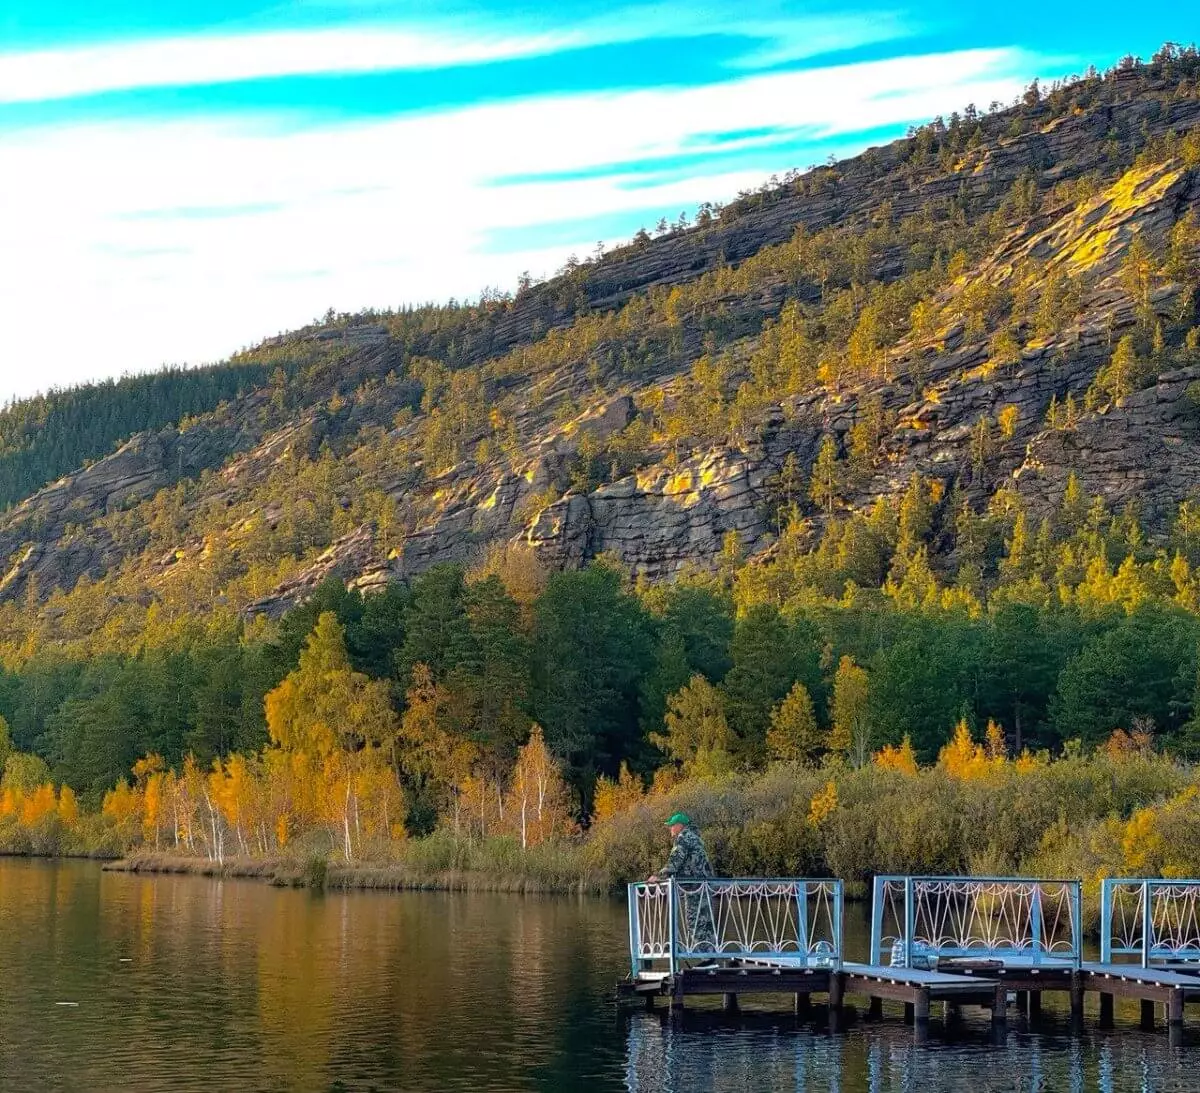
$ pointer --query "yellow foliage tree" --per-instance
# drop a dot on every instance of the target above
(851, 733)
(962, 757)
(434, 750)
(995, 744)
(39, 804)
(123, 805)
(68, 806)
(822, 805)
(538, 801)
(324, 703)
(902, 759)
(698, 737)
(612, 797)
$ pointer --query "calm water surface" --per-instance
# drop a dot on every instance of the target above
(181, 983)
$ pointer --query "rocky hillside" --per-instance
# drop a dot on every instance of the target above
(988, 308)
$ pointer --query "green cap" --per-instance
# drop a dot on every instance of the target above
(680, 818)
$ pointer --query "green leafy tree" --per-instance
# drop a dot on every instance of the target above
(591, 648)
(770, 653)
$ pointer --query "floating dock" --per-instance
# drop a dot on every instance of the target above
(977, 941)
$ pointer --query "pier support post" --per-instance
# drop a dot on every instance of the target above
(1106, 1010)
(909, 1013)
(1175, 1008)
(1000, 1005)
(1076, 997)
(837, 992)
(729, 1002)
(649, 1001)
(875, 1009)
(1035, 1005)
(677, 996)
(803, 1004)
(1023, 1002)
(921, 1007)
(1147, 1015)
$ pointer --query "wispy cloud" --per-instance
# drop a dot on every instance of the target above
(172, 240)
(209, 59)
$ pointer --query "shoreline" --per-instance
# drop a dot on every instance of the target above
(319, 874)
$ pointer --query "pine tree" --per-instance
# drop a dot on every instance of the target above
(852, 731)
(825, 487)
(697, 735)
(794, 734)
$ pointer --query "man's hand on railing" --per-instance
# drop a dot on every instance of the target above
(653, 879)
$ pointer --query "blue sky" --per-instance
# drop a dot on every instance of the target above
(180, 178)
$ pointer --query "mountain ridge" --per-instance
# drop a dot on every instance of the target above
(650, 403)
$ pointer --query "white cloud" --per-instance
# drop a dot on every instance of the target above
(56, 74)
(110, 266)
(208, 59)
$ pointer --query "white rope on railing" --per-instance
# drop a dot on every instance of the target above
(935, 917)
(717, 919)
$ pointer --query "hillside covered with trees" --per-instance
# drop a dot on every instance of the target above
(881, 480)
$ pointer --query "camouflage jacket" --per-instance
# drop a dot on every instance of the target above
(688, 857)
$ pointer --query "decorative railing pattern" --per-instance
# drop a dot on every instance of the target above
(917, 920)
(728, 919)
(1171, 907)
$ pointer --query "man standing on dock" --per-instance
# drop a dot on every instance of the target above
(688, 861)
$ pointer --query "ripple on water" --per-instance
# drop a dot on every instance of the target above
(186, 983)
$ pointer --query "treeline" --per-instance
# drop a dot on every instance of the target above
(49, 435)
(1059, 632)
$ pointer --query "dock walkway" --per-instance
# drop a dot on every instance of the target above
(989, 940)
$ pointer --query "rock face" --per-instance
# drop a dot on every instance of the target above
(57, 535)
(1145, 451)
(354, 558)
(658, 521)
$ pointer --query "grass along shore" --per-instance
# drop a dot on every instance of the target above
(439, 862)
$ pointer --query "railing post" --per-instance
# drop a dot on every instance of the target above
(909, 921)
(838, 894)
(801, 890)
(1106, 894)
(635, 947)
(1077, 927)
(673, 925)
(1147, 925)
(1035, 921)
(877, 921)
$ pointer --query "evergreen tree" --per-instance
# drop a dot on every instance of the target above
(794, 734)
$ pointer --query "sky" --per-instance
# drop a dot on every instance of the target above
(182, 178)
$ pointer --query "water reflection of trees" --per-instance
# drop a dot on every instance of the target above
(181, 979)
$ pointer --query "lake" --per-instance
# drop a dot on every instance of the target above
(118, 982)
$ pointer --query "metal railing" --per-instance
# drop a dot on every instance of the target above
(1170, 907)
(1017, 919)
(799, 920)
